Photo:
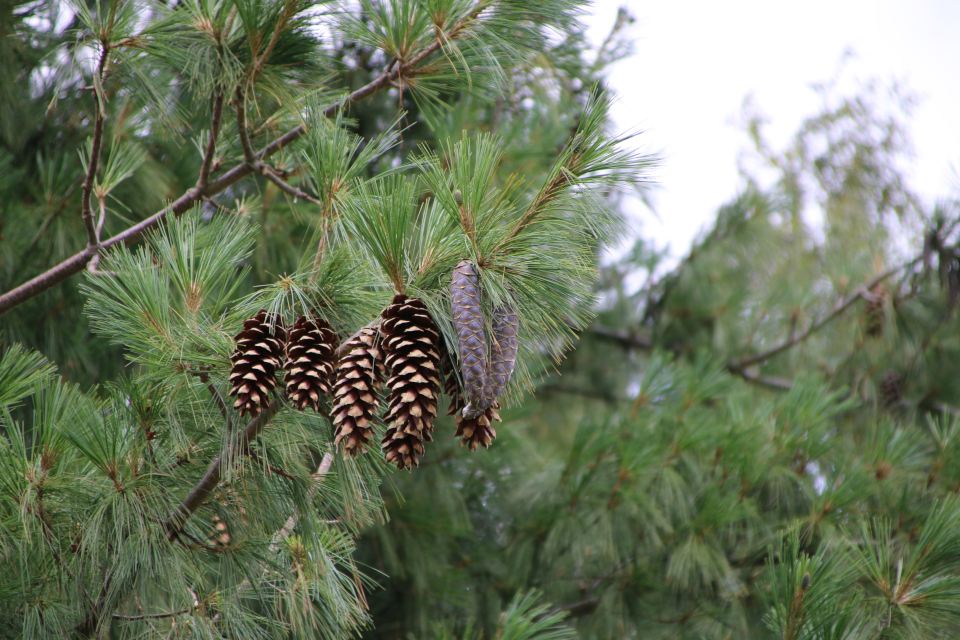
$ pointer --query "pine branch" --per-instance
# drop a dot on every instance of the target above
(627, 340)
(76, 263)
(217, 397)
(837, 311)
(291, 522)
(201, 492)
(630, 340)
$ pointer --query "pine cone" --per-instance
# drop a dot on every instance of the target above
(411, 345)
(258, 356)
(311, 352)
(891, 389)
(874, 312)
(220, 535)
(356, 392)
(474, 432)
(503, 356)
(465, 296)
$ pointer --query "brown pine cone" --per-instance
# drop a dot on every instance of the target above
(311, 352)
(411, 345)
(258, 355)
(357, 392)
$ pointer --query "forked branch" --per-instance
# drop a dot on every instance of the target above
(76, 263)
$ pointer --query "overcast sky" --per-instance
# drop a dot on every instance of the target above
(696, 60)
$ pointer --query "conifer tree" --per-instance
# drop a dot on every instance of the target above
(314, 150)
(200, 199)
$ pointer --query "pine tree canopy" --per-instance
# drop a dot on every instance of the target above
(255, 254)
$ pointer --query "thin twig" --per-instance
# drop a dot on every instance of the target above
(48, 536)
(291, 522)
(43, 228)
(217, 398)
(211, 151)
(86, 206)
(103, 216)
(154, 616)
(249, 155)
(633, 341)
(286, 187)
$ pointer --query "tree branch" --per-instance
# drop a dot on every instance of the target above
(153, 616)
(201, 492)
(250, 156)
(286, 187)
(217, 398)
(77, 262)
(629, 340)
(838, 310)
(211, 151)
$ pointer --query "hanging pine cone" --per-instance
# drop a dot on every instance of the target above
(356, 392)
(503, 352)
(258, 355)
(465, 296)
(311, 352)
(411, 345)
(874, 311)
(891, 389)
(474, 432)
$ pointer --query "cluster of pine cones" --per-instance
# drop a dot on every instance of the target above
(407, 350)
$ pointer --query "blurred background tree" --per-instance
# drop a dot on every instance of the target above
(756, 442)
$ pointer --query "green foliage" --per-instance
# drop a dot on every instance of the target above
(759, 441)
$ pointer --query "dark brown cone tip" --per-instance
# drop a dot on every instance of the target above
(356, 392)
(412, 348)
(258, 355)
(311, 356)
(478, 432)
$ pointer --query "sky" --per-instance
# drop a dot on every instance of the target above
(695, 61)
